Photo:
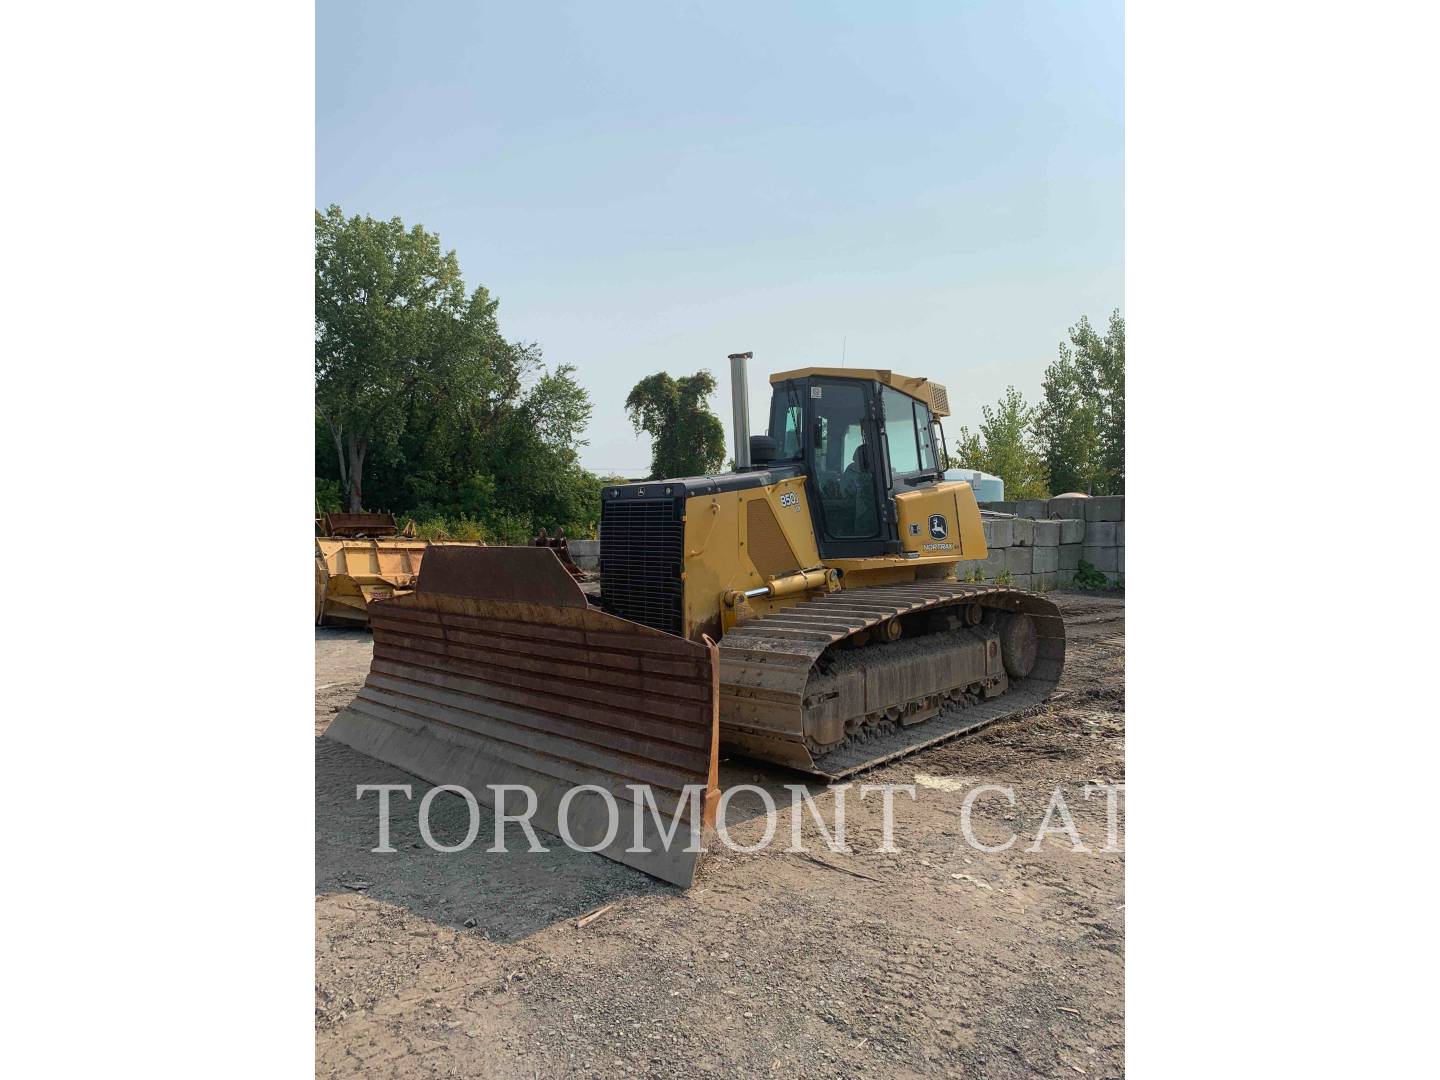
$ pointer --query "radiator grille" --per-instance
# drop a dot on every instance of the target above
(642, 549)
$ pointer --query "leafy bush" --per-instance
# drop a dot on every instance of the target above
(1087, 577)
(327, 496)
(507, 528)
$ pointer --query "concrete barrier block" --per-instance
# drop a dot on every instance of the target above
(1022, 532)
(1047, 533)
(1017, 560)
(1044, 560)
(999, 507)
(1105, 508)
(1104, 559)
(585, 554)
(1120, 534)
(1031, 508)
(1072, 530)
(1064, 578)
(1120, 561)
(1020, 581)
(1044, 582)
(995, 563)
(1066, 508)
(999, 532)
(1069, 556)
(1100, 533)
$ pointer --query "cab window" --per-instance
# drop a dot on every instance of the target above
(901, 433)
(843, 461)
(787, 421)
(925, 428)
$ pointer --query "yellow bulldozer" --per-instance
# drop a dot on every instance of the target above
(804, 609)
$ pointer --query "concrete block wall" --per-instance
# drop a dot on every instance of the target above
(1043, 544)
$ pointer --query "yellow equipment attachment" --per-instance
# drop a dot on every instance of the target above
(352, 574)
(364, 557)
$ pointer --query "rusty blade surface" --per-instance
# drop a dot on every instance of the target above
(360, 525)
(523, 574)
(471, 685)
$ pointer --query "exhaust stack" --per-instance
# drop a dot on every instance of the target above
(740, 404)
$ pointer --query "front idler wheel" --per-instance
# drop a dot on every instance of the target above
(1019, 644)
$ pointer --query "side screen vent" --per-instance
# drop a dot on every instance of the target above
(939, 400)
(642, 554)
(769, 550)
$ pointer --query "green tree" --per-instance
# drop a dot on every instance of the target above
(1005, 447)
(968, 451)
(1080, 424)
(1108, 360)
(392, 324)
(686, 437)
(1067, 426)
(423, 407)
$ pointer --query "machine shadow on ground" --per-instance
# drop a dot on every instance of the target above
(508, 895)
(342, 633)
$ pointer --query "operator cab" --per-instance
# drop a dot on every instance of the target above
(861, 437)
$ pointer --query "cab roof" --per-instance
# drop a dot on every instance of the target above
(931, 393)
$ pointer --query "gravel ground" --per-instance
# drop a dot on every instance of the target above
(938, 959)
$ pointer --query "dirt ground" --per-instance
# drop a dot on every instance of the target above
(939, 959)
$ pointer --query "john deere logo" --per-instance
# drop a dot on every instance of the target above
(938, 530)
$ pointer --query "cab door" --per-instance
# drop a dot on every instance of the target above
(847, 469)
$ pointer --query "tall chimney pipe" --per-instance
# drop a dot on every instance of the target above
(740, 404)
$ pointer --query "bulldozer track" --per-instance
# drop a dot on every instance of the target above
(767, 663)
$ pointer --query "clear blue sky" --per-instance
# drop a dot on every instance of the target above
(650, 186)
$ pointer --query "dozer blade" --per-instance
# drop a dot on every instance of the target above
(496, 670)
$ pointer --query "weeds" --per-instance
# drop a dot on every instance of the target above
(1087, 577)
(461, 528)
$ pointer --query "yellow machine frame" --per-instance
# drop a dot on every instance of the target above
(741, 541)
(498, 669)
